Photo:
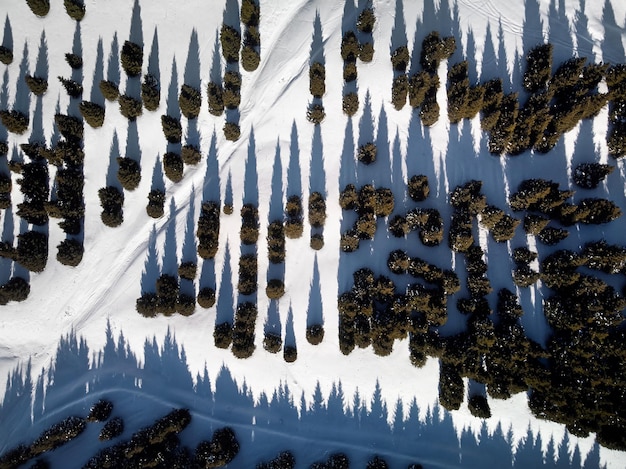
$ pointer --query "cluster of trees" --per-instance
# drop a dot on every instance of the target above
(250, 49)
(317, 218)
(616, 83)
(31, 252)
(294, 222)
(369, 203)
(208, 230)
(75, 9)
(169, 299)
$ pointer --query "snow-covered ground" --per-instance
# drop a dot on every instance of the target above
(118, 261)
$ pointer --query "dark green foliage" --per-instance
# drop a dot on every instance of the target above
(377, 463)
(111, 200)
(72, 88)
(218, 452)
(4, 148)
(156, 202)
(348, 197)
(293, 225)
(208, 230)
(399, 91)
(460, 236)
(538, 67)
(366, 21)
(231, 131)
(317, 77)
(400, 58)
(36, 85)
(284, 460)
(75, 9)
(6, 55)
(349, 241)
(508, 307)
(600, 211)
(130, 107)
(16, 289)
(128, 173)
(189, 101)
(32, 250)
(74, 61)
(232, 90)
(173, 166)
(6, 185)
(100, 411)
(230, 40)
(315, 113)
(533, 224)
(34, 186)
(131, 58)
(606, 257)
(350, 104)
(502, 132)
(243, 330)
(112, 429)
(317, 210)
(249, 233)
(70, 127)
(419, 84)
(398, 262)
(504, 230)
(315, 334)
(58, 435)
(215, 96)
(317, 241)
(366, 52)
(185, 304)
(349, 71)
(109, 90)
(349, 47)
(247, 274)
(146, 305)
(418, 188)
(384, 202)
(92, 113)
(150, 92)
(70, 252)
(275, 289)
(167, 290)
(250, 57)
(228, 209)
(616, 140)
(490, 215)
(492, 103)
(39, 7)
(429, 111)
(14, 121)
(206, 297)
(435, 49)
(190, 154)
(290, 353)
(188, 270)
(15, 457)
(468, 197)
(250, 12)
(589, 175)
(172, 129)
(451, 388)
(523, 255)
(276, 242)
(367, 153)
(272, 342)
(551, 236)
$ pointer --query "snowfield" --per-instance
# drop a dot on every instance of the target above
(146, 366)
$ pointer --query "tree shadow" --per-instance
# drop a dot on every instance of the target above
(489, 62)
(114, 153)
(317, 174)
(294, 177)
(612, 46)
(315, 312)
(7, 36)
(192, 133)
(454, 28)
(348, 18)
(207, 274)
(366, 173)
(317, 42)
(470, 56)
(290, 336)
(192, 66)
(153, 60)
(584, 42)
(41, 66)
(113, 64)
(225, 298)
(532, 27)
(383, 156)
(169, 263)
(158, 183)
(172, 108)
(136, 28)
(151, 270)
(272, 322)
(22, 93)
(231, 15)
(559, 32)
(228, 191)
(503, 66)
(276, 197)
(37, 133)
(8, 227)
(98, 76)
(189, 252)
(211, 183)
(251, 178)
(77, 49)
(216, 62)
(398, 32)
(133, 147)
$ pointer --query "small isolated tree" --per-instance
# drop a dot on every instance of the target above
(70, 252)
(272, 342)
(315, 334)
(185, 304)
(156, 202)
(74, 61)
(366, 153)
(109, 90)
(173, 166)
(350, 104)
(315, 113)
(130, 107)
(131, 58)
(189, 101)
(275, 289)
(232, 131)
(39, 7)
(317, 78)
(230, 40)
(92, 113)
(479, 407)
(317, 241)
(100, 411)
(150, 92)
(6, 55)
(75, 9)
(215, 98)
(16, 289)
(128, 173)
(400, 58)
(188, 270)
(206, 297)
(366, 21)
(14, 121)
(172, 129)
(290, 353)
(36, 85)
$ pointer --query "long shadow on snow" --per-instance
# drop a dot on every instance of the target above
(133, 146)
(114, 153)
(612, 47)
(41, 66)
(348, 19)
(153, 60)
(77, 49)
(294, 176)
(211, 183)
(136, 28)
(98, 76)
(151, 269)
(276, 211)
(584, 42)
(8, 227)
(398, 32)
(158, 183)
(172, 108)
(347, 175)
(559, 33)
(225, 298)
(7, 35)
(192, 66)
(272, 323)
(189, 252)
(216, 62)
(317, 174)
(37, 132)
(366, 174)
(357, 426)
(113, 64)
(489, 64)
(315, 312)
(169, 260)
(317, 42)
(22, 93)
